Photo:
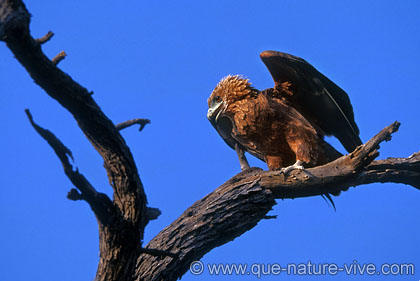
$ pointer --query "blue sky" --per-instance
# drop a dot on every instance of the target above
(161, 60)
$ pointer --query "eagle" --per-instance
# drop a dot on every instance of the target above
(284, 126)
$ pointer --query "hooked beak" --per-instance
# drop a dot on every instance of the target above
(214, 112)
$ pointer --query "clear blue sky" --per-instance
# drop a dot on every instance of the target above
(161, 60)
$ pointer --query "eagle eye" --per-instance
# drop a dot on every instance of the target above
(217, 98)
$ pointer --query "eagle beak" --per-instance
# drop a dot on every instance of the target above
(214, 111)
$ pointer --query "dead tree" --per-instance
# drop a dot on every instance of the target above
(210, 222)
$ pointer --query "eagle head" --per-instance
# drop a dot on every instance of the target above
(229, 90)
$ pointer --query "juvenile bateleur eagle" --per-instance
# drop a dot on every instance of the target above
(284, 126)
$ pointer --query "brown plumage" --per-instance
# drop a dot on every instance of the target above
(285, 125)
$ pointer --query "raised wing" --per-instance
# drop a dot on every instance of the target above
(317, 97)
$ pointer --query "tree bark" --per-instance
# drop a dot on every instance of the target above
(121, 233)
(223, 214)
(226, 213)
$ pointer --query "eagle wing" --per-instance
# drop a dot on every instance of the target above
(319, 99)
(224, 127)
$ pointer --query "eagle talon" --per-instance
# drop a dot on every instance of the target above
(296, 166)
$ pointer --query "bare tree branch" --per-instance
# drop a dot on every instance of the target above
(101, 132)
(44, 39)
(59, 57)
(101, 205)
(353, 169)
(241, 202)
(142, 122)
(226, 213)
(121, 239)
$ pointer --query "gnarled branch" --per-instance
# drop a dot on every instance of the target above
(120, 241)
(101, 205)
(240, 203)
(101, 132)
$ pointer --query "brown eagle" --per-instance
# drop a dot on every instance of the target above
(285, 125)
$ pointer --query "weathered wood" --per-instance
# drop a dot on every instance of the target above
(100, 131)
(120, 241)
(226, 213)
(208, 223)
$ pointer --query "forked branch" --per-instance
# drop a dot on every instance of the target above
(99, 202)
(129, 197)
(121, 238)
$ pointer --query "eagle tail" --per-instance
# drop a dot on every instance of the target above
(329, 201)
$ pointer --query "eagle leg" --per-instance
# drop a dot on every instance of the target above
(296, 166)
(242, 159)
